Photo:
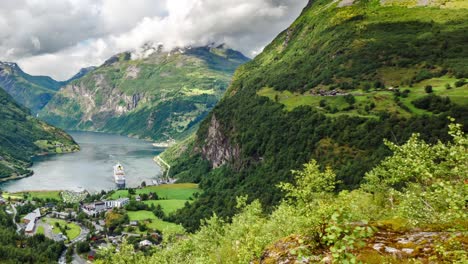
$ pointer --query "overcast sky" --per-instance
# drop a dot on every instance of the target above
(58, 37)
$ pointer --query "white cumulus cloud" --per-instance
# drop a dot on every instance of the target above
(58, 37)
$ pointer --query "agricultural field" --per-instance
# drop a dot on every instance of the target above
(172, 197)
(167, 191)
(168, 206)
(152, 222)
(55, 195)
(40, 230)
(369, 103)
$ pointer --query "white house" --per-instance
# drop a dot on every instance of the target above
(121, 202)
(145, 243)
(97, 207)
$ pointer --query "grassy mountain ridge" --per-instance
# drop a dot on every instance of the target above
(22, 136)
(31, 91)
(345, 76)
(161, 96)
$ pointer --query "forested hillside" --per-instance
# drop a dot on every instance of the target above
(159, 96)
(16, 248)
(342, 78)
(411, 209)
(22, 136)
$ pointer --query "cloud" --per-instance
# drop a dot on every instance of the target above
(58, 37)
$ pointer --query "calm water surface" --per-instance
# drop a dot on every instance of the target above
(92, 167)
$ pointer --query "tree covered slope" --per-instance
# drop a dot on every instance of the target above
(343, 77)
(22, 136)
(160, 96)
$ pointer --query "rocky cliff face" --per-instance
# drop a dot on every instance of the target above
(217, 147)
(101, 102)
(160, 96)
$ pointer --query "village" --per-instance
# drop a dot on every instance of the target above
(91, 223)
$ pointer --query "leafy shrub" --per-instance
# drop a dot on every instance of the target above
(428, 89)
(460, 83)
(433, 103)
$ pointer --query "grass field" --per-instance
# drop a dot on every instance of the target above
(141, 215)
(165, 227)
(40, 230)
(167, 191)
(168, 206)
(151, 221)
(12, 196)
(38, 194)
(174, 197)
(73, 231)
(383, 99)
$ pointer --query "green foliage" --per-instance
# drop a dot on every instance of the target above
(328, 47)
(16, 248)
(19, 135)
(425, 182)
(350, 99)
(433, 103)
(344, 238)
(273, 142)
(460, 83)
(311, 185)
(323, 221)
(428, 89)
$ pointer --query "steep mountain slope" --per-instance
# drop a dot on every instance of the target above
(343, 77)
(22, 136)
(31, 91)
(161, 96)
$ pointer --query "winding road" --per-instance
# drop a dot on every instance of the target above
(77, 259)
(18, 227)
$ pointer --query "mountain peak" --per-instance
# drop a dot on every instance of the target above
(81, 73)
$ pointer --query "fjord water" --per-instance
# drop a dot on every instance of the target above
(92, 167)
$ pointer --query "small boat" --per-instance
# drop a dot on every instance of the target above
(119, 175)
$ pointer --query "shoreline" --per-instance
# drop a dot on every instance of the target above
(31, 173)
(45, 154)
(12, 178)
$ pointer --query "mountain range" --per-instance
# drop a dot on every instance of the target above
(344, 141)
(33, 92)
(161, 95)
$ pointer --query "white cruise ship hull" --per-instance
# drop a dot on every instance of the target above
(119, 176)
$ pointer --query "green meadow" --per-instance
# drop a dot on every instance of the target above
(382, 100)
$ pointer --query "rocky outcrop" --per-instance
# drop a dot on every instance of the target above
(218, 149)
(104, 100)
(132, 72)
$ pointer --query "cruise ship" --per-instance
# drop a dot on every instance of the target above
(119, 175)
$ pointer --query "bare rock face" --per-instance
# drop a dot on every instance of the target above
(344, 3)
(218, 148)
(132, 72)
(150, 121)
(103, 102)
